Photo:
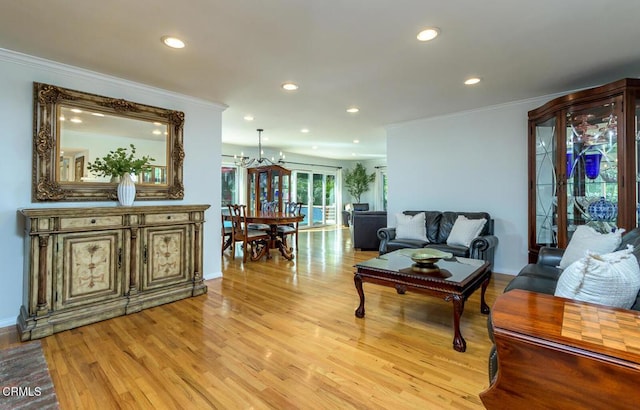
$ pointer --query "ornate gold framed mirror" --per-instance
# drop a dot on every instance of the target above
(74, 128)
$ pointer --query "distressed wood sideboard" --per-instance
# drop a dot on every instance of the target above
(84, 265)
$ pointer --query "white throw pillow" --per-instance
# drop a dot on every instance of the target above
(612, 279)
(411, 227)
(465, 230)
(584, 239)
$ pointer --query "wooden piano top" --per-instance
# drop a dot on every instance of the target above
(561, 353)
(575, 325)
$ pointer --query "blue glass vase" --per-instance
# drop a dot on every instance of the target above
(592, 163)
(569, 163)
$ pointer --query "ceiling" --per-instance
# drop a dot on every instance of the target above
(342, 53)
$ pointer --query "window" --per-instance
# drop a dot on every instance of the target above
(229, 185)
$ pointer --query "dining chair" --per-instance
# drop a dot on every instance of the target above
(290, 229)
(227, 230)
(265, 206)
(258, 240)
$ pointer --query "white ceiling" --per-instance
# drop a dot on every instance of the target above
(340, 52)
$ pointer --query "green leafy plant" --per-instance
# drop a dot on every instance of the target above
(357, 181)
(120, 162)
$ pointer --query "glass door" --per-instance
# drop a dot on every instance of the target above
(317, 191)
(301, 194)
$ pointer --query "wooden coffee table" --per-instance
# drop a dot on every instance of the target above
(455, 281)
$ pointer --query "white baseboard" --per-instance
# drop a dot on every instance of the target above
(8, 322)
(213, 275)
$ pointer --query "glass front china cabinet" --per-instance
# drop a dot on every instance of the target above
(268, 183)
(584, 163)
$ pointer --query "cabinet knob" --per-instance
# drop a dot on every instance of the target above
(93, 221)
(168, 216)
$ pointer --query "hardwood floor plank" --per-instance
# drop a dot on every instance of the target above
(279, 334)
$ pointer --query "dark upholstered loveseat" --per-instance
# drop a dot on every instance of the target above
(364, 228)
(542, 277)
(439, 225)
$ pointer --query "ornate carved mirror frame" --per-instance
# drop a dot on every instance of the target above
(47, 184)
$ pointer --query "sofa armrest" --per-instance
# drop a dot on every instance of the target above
(484, 247)
(550, 256)
(385, 235)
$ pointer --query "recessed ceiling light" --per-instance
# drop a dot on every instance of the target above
(428, 34)
(290, 86)
(353, 109)
(76, 120)
(97, 114)
(353, 154)
(472, 81)
(305, 130)
(172, 42)
(356, 141)
(314, 147)
(157, 124)
(156, 132)
(248, 117)
(76, 110)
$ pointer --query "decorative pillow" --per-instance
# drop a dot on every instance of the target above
(612, 279)
(465, 230)
(411, 227)
(585, 238)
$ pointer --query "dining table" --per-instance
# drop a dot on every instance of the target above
(273, 219)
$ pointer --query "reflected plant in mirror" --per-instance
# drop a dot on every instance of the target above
(75, 131)
(119, 163)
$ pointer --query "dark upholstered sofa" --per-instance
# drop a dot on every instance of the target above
(364, 228)
(439, 225)
(542, 277)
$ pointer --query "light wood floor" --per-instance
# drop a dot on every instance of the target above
(279, 335)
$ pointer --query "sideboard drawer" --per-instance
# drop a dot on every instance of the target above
(166, 217)
(90, 222)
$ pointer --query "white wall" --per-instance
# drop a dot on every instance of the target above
(202, 136)
(468, 161)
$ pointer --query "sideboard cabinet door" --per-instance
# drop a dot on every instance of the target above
(89, 268)
(166, 259)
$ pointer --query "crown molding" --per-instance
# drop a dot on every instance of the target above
(27, 60)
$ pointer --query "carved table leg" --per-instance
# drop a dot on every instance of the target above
(484, 308)
(459, 343)
(357, 280)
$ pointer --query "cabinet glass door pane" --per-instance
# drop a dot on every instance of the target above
(546, 200)
(592, 167)
(275, 188)
(264, 189)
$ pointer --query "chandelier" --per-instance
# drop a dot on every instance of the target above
(247, 162)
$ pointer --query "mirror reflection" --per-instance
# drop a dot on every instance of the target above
(88, 134)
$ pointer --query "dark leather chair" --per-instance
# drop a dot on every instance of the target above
(364, 229)
(347, 216)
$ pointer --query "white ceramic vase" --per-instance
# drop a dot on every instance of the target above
(126, 191)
